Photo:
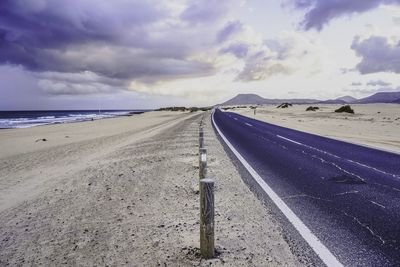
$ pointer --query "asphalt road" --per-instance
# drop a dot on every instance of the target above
(347, 195)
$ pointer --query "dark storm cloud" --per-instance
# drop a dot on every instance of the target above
(320, 12)
(84, 83)
(20, 91)
(118, 40)
(377, 55)
(51, 23)
(200, 11)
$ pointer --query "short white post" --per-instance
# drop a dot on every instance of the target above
(202, 163)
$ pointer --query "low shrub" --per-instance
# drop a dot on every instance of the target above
(284, 105)
(191, 109)
(346, 109)
(311, 108)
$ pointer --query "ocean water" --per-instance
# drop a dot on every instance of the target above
(26, 119)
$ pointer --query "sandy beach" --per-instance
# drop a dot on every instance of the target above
(375, 125)
(123, 192)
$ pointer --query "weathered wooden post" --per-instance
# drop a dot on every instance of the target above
(201, 138)
(207, 218)
(202, 163)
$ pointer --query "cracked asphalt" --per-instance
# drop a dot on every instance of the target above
(348, 195)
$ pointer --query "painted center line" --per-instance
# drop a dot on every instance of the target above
(351, 161)
(290, 140)
(320, 249)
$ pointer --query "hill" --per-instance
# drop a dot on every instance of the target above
(347, 99)
(340, 100)
(333, 101)
(245, 99)
(248, 99)
(382, 97)
(253, 99)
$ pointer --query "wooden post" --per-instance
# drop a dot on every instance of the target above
(201, 142)
(201, 138)
(207, 218)
(203, 163)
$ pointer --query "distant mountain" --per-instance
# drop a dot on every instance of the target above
(333, 101)
(347, 99)
(296, 101)
(245, 99)
(382, 97)
(340, 100)
(248, 99)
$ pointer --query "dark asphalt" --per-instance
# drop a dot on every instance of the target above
(348, 195)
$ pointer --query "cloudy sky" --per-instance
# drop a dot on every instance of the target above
(83, 54)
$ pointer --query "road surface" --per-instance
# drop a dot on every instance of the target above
(347, 195)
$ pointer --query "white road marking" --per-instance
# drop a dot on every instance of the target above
(323, 252)
(311, 147)
(248, 124)
(373, 168)
(348, 192)
(376, 203)
(290, 140)
(235, 119)
(333, 155)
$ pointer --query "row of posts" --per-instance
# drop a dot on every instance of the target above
(206, 201)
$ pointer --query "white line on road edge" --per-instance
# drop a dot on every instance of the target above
(248, 124)
(324, 254)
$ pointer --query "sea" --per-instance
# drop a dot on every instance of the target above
(26, 119)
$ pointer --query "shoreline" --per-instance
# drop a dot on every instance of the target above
(29, 119)
(22, 140)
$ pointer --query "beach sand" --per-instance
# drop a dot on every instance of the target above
(375, 125)
(123, 192)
